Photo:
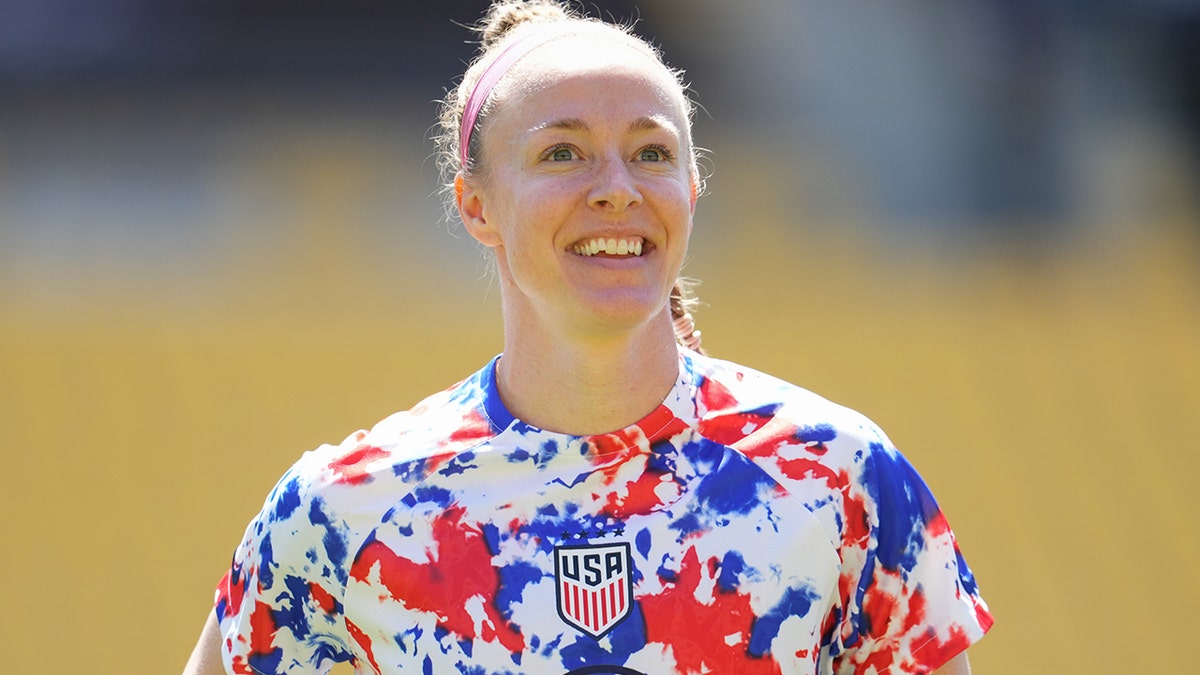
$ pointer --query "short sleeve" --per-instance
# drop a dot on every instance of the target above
(280, 604)
(916, 604)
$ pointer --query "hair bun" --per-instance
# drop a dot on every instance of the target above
(505, 15)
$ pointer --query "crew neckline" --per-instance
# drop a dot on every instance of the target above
(673, 414)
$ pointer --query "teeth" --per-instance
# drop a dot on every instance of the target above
(609, 247)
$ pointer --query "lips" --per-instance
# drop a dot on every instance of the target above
(624, 246)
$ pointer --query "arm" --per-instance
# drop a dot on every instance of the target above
(956, 666)
(206, 657)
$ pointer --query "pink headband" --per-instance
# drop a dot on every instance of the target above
(491, 76)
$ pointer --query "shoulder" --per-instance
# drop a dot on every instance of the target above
(903, 579)
(402, 448)
(833, 459)
(736, 402)
(333, 495)
(286, 585)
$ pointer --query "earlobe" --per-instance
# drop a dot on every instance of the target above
(470, 209)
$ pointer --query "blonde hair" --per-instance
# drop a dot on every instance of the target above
(503, 20)
(682, 302)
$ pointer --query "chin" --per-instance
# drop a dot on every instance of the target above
(624, 309)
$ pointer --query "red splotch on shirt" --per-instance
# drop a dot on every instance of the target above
(475, 427)
(657, 426)
(890, 621)
(936, 652)
(708, 636)
(713, 397)
(323, 598)
(646, 493)
(637, 497)
(459, 568)
(856, 528)
(262, 629)
(364, 643)
(727, 428)
(231, 592)
(353, 467)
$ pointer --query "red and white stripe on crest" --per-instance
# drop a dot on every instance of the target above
(596, 609)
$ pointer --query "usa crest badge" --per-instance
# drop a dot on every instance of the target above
(594, 585)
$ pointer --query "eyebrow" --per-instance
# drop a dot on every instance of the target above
(647, 123)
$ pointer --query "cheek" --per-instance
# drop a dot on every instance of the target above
(536, 217)
(522, 244)
(682, 205)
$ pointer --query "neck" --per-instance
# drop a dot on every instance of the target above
(587, 386)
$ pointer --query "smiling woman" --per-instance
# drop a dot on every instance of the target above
(594, 149)
(574, 162)
(601, 497)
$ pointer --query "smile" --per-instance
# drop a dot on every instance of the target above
(597, 246)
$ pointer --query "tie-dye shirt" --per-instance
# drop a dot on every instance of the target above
(745, 526)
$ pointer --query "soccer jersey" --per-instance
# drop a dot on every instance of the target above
(744, 526)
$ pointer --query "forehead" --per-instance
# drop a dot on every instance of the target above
(584, 71)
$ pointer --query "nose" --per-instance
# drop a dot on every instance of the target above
(615, 187)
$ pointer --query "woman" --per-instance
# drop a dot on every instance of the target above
(599, 498)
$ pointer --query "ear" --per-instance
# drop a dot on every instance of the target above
(695, 193)
(471, 210)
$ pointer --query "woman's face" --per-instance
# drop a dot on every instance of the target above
(586, 191)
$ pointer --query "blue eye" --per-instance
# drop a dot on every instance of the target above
(560, 153)
(654, 153)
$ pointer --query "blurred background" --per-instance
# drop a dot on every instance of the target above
(975, 221)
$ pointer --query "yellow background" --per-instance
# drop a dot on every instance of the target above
(1048, 394)
(1043, 376)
